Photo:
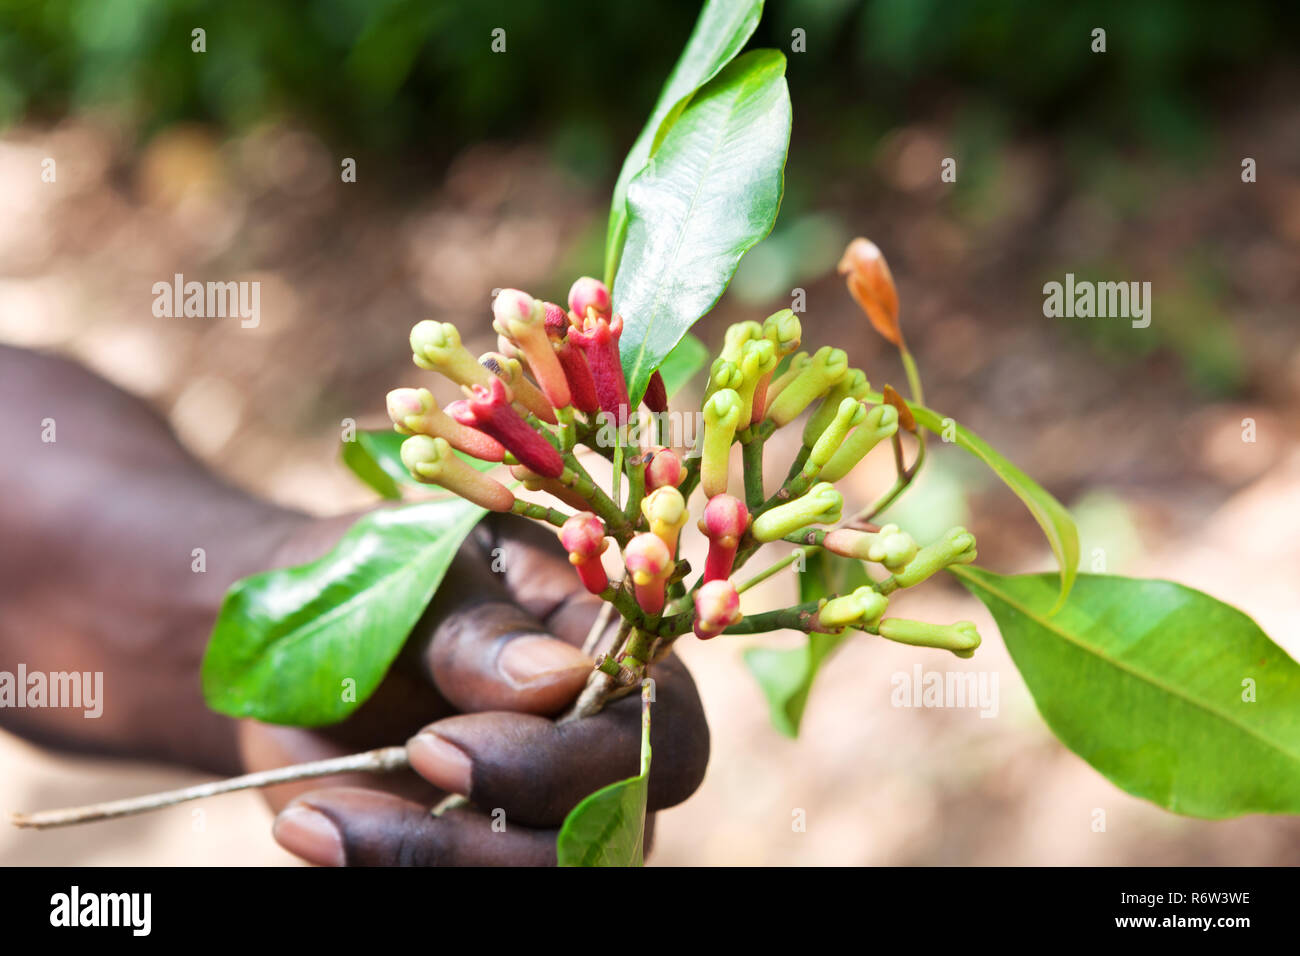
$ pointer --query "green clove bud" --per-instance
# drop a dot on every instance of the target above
(851, 412)
(666, 514)
(815, 378)
(735, 338)
(881, 422)
(783, 330)
(757, 360)
(723, 373)
(888, 546)
(853, 385)
(436, 346)
(820, 505)
(431, 460)
(721, 417)
(957, 546)
(960, 638)
(862, 608)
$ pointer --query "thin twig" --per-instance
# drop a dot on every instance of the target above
(597, 628)
(451, 801)
(383, 760)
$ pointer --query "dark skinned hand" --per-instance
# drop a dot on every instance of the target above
(96, 574)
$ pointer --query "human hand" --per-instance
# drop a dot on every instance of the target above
(495, 656)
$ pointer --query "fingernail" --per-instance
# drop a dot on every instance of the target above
(309, 834)
(440, 762)
(536, 657)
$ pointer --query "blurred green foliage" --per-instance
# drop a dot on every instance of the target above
(419, 80)
(423, 74)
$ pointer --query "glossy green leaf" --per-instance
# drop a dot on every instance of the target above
(286, 641)
(712, 191)
(722, 29)
(608, 827)
(376, 458)
(683, 362)
(1175, 697)
(786, 675)
(1057, 525)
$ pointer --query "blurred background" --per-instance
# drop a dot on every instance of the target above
(477, 170)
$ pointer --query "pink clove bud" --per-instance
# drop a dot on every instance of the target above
(588, 293)
(598, 339)
(522, 319)
(650, 564)
(717, 607)
(582, 389)
(488, 409)
(664, 469)
(583, 536)
(724, 522)
(414, 411)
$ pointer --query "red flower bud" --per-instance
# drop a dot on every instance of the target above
(526, 396)
(663, 468)
(488, 409)
(717, 607)
(522, 319)
(598, 339)
(725, 520)
(582, 390)
(649, 563)
(656, 394)
(583, 536)
(415, 412)
(588, 293)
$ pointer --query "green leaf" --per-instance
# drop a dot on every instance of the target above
(724, 26)
(1050, 514)
(713, 191)
(286, 640)
(679, 367)
(608, 827)
(786, 675)
(1147, 681)
(376, 458)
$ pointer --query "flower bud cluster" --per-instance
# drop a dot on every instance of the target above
(556, 373)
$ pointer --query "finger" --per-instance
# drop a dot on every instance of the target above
(537, 770)
(485, 652)
(356, 827)
(536, 573)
